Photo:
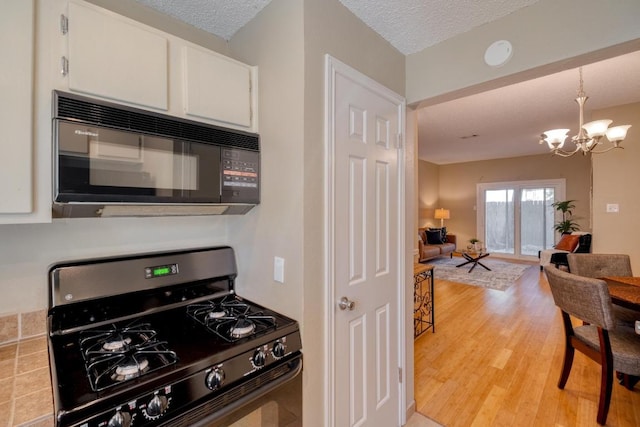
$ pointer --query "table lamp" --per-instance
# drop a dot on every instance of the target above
(442, 214)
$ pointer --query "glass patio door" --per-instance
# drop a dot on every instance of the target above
(536, 220)
(516, 219)
(499, 235)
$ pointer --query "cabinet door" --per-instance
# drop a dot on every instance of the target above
(216, 87)
(16, 106)
(113, 57)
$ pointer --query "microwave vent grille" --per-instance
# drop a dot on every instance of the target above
(104, 114)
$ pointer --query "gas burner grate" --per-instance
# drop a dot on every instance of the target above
(231, 319)
(115, 355)
(210, 311)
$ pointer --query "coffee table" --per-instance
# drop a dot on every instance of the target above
(473, 257)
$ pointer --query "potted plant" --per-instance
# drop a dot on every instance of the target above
(567, 225)
(476, 244)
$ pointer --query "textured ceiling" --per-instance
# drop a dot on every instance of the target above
(508, 121)
(413, 25)
(409, 25)
(220, 17)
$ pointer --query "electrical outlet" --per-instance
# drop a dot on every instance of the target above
(613, 208)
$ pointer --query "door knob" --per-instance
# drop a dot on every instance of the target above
(345, 304)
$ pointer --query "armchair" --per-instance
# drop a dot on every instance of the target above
(558, 255)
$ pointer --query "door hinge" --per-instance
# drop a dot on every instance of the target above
(64, 66)
(64, 24)
(400, 375)
(399, 141)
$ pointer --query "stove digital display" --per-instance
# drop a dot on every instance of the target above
(160, 271)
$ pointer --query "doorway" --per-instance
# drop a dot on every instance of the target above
(365, 249)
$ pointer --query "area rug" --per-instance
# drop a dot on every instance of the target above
(502, 275)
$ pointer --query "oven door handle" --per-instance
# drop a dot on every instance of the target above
(250, 397)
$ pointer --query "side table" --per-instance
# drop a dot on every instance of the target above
(423, 307)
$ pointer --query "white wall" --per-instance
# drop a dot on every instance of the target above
(27, 250)
(288, 40)
(274, 42)
(457, 186)
(615, 179)
(329, 28)
(289, 48)
(548, 36)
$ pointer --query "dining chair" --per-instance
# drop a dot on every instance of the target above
(600, 265)
(603, 265)
(599, 338)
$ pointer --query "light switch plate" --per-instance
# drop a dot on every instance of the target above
(278, 269)
(613, 208)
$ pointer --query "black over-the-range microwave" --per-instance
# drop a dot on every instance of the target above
(113, 160)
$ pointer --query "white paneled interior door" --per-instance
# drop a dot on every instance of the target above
(365, 125)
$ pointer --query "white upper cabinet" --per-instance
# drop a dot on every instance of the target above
(113, 57)
(16, 106)
(216, 87)
(117, 58)
(73, 45)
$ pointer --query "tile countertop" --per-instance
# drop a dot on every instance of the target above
(25, 384)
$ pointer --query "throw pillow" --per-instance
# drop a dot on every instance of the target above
(434, 237)
(569, 242)
(443, 233)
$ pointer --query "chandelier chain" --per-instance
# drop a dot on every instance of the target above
(581, 89)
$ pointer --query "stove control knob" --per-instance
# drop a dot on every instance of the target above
(120, 419)
(279, 349)
(259, 358)
(215, 379)
(157, 405)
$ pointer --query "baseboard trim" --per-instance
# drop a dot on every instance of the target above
(411, 409)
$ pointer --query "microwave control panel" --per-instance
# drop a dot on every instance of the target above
(240, 176)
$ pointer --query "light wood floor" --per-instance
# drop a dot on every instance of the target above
(495, 359)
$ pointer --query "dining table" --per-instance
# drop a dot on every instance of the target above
(624, 291)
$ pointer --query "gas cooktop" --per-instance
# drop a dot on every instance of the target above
(167, 349)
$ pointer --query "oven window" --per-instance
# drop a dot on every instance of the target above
(280, 407)
(99, 164)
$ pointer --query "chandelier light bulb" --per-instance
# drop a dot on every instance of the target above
(617, 133)
(597, 128)
(555, 138)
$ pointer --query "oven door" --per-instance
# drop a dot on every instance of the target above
(101, 165)
(280, 407)
(272, 399)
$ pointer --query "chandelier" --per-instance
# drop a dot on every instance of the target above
(589, 134)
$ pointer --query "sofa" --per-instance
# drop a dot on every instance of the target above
(430, 247)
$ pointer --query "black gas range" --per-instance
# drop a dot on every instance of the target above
(161, 339)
